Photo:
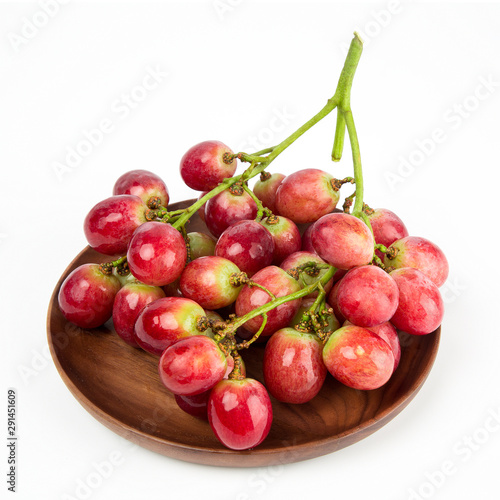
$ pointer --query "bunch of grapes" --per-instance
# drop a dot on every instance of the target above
(326, 289)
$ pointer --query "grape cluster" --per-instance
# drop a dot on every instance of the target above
(280, 264)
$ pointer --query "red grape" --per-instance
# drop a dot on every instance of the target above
(192, 365)
(293, 366)
(226, 208)
(421, 254)
(358, 358)
(286, 237)
(110, 224)
(157, 254)
(194, 405)
(421, 309)
(367, 296)
(202, 167)
(306, 195)
(387, 227)
(143, 184)
(266, 189)
(248, 244)
(342, 240)
(86, 296)
(165, 321)
(207, 281)
(240, 413)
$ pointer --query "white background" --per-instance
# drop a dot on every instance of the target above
(235, 71)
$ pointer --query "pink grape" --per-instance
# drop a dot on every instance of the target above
(86, 296)
(110, 224)
(367, 296)
(421, 309)
(157, 254)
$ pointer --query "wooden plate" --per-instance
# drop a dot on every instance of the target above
(120, 387)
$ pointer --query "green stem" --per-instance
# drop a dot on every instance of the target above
(356, 159)
(190, 211)
(319, 299)
(338, 143)
(343, 92)
(264, 151)
(282, 300)
(119, 261)
(260, 207)
(341, 98)
(247, 343)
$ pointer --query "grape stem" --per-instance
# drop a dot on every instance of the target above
(261, 209)
(259, 162)
(237, 322)
(338, 143)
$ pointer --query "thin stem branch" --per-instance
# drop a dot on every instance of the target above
(282, 300)
(356, 159)
(260, 206)
(338, 142)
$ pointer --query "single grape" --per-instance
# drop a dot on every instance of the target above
(207, 281)
(201, 244)
(203, 167)
(165, 321)
(86, 296)
(110, 224)
(265, 189)
(421, 309)
(286, 237)
(248, 244)
(387, 332)
(226, 208)
(192, 365)
(156, 254)
(342, 240)
(293, 366)
(420, 254)
(367, 296)
(194, 405)
(143, 184)
(306, 195)
(358, 358)
(240, 413)
(387, 227)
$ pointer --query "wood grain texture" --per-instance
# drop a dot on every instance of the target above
(120, 387)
